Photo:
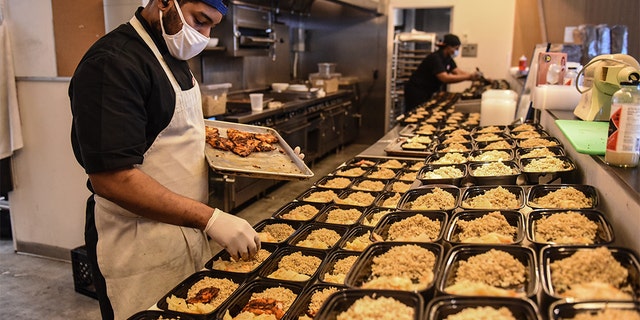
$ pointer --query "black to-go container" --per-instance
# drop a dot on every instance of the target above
(442, 307)
(361, 272)
(183, 287)
(240, 299)
(341, 301)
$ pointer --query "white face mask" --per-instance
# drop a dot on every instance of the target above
(456, 54)
(185, 44)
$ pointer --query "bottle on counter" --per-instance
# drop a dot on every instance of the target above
(570, 76)
(522, 63)
(623, 141)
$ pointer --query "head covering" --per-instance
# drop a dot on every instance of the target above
(450, 40)
(218, 4)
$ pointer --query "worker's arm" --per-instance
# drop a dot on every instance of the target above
(457, 75)
(137, 192)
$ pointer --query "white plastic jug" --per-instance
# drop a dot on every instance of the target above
(497, 111)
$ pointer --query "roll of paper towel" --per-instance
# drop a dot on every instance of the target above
(554, 97)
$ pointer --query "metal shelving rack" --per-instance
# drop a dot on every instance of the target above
(409, 49)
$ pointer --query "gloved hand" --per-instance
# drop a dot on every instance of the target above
(234, 234)
(297, 152)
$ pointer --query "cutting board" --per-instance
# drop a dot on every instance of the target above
(588, 137)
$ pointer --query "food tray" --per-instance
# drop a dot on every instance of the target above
(225, 256)
(295, 204)
(542, 190)
(457, 181)
(497, 179)
(539, 177)
(296, 225)
(156, 314)
(394, 148)
(558, 151)
(300, 307)
(279, 164)
(322, 183)
(408, 130)
(383, 196)
(514, 218)
(550, 254)
(521, 142)
(363, 162)
(272, 265)
(604, 234)
(382, 228)
(344, 195)
(478, 153)
(437, 156)
(502, 129)
(484, 145)
(471, 192)
(242, 296)
(442, 307)
(306, 195)
(309, 227)
(441, 148)
(322, 217)
(361, 270)
(356, 184)
(560, 310)
(462, 252)
(353, 233)
(523, 135)
(413, 194)
(341, 301)
(330, 261)
(183, 287)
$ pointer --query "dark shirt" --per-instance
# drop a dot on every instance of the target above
(121, 98)
(423, 83)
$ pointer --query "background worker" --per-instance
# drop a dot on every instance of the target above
(434, 72)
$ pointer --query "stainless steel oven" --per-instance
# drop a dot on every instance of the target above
(247, 30)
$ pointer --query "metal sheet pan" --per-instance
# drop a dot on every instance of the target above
(279, 164)
(394, 148)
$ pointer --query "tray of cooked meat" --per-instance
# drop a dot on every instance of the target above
(253, 151)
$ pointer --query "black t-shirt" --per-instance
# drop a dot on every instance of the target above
(424, 78)
(121, 98)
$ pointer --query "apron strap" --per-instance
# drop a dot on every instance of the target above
(147, 39)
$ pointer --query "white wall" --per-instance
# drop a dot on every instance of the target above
(31, 32)
(487, 23)
(47, 204)
(48, 201)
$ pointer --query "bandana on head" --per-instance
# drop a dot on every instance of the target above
(217, 4)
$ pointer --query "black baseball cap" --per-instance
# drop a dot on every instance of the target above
(450, 40)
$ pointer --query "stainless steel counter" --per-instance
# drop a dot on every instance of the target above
(266, 115)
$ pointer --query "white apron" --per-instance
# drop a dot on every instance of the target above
(141, 259)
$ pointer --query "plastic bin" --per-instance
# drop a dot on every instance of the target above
(82, 275)
(214, 99)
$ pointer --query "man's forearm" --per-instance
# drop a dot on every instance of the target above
(137, 192)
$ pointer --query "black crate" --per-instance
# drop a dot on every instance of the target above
(82, 275)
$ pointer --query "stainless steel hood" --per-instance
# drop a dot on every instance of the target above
(375, 6)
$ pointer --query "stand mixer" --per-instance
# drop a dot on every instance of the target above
(602, 78)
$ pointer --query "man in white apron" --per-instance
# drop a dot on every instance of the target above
(138, 131)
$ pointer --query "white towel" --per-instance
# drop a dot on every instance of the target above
(10, 128)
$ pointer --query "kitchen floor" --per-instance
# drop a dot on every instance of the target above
(40, 288)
